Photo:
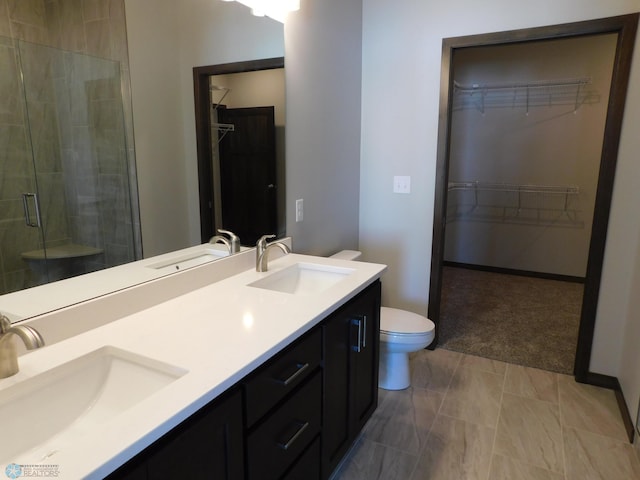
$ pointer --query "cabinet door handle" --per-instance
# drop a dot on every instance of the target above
(301, 368)
(364, 331)
(301, 427)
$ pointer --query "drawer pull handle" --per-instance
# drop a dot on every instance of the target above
(296, 374)
(301, 428)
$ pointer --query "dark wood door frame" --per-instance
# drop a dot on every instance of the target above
(625, 26)
(202, 98)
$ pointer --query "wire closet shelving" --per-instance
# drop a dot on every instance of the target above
(567, 91)
(552, 205)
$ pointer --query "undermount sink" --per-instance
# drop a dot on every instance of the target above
(303, 278)
(43, 414)
(189, 260)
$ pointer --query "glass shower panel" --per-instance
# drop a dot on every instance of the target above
(17, 175)
(77, 134)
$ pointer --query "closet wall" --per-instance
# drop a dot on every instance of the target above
(529, 139)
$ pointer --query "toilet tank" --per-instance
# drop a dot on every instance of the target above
(347, 255)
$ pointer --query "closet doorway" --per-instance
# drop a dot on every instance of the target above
(523, 183)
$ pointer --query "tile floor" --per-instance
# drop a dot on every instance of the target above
(470, 418)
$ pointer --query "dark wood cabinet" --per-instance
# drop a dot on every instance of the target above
(352, 345)
(269, 384)
(209, 444)
(308, 465)
(294, 417)
(279, 440)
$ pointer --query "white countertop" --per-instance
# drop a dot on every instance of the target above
(218, 334)
(41, 299)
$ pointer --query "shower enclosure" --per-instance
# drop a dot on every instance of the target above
(65, 196)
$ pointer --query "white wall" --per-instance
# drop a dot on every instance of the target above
(167, 38)
(323, 57)
(402, 44)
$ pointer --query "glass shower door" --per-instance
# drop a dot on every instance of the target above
(17, 176)
(65, 198)
(77, 134)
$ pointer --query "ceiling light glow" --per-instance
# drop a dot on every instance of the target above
(276, 9)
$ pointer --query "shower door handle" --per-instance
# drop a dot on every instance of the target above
(27, 210)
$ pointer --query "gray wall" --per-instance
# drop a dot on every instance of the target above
(323, 79)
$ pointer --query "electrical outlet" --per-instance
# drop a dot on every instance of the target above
(401, 184)
(299, 210)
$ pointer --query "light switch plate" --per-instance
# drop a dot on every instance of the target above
(299, 210)
(401, 184)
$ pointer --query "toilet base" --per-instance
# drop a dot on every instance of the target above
(394, 371)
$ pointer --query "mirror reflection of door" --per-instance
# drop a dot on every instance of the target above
(247, 157)
(240, 128)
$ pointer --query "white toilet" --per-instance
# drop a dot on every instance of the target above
(401, 333)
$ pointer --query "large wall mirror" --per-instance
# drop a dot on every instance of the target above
(79, 191)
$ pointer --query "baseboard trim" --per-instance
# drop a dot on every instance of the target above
(513, 271)
(612, 383)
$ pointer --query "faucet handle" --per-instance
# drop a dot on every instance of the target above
(227, 232)
(233, 238)
(5, 323)
(262, 241)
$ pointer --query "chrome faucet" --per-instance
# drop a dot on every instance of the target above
(8, 352)
(232, 243)
(262, 251)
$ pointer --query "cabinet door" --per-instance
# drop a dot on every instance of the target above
(335, 427)
(365, 324)
(351, 337)
(208, 445)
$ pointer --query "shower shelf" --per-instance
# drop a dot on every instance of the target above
(568, 91)
(551, 205)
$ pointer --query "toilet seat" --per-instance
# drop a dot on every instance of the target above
(401, 323)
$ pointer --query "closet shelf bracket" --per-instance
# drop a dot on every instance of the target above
(221, 128)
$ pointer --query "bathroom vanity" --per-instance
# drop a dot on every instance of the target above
(263, 375)
(293, 417)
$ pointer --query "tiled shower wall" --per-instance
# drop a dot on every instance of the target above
(85, 182)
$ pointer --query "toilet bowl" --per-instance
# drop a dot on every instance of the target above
(401, 332)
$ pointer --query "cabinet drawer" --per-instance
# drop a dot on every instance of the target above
(281, 375)
(308, 465)
(276, 443)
